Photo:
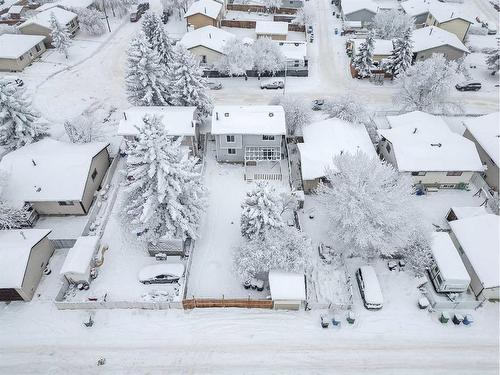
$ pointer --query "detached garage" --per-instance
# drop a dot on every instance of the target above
(288, 290)
(24, 254)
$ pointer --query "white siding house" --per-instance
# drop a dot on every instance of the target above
(207, 43)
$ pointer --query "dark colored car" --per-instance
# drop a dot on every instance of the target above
(468, 86)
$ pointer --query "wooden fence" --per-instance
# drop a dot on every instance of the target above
(194, 303)
(238, 24)
(259, 9)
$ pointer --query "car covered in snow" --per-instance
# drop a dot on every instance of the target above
(214, 85)
(369, 288)
(272, 84)
(14, 79)
(468, 86)
(165, 273)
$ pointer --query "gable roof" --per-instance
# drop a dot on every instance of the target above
(433, 37)
(12, 46)
(178, 121)
(256, 119)
(447, 258)
(442, 12)
(486, 131)
(352, 6)
(463, 212)
(209, 8)
(15, 249)
(415, 7)
(48, 170)
(271, 28)
(328, 138)
(423, 142)
(43, 18)
(15, 9)
(208, 36)
(479, 238)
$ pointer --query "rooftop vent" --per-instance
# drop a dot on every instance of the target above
(124, 115)
(415, 130)
(33, 161)
(436, 144)
(226, 114)
(271, 114)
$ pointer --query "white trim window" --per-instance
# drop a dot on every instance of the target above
(231, 151)
(229, 138)
(268, 137)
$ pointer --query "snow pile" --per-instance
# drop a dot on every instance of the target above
(209, 36)
(486, 131)
(209, 8)
(258, 119)
(447, 258)
(271, 28)
(80, 255)
(12, 46)
(43, 18)
(287, 286)
(433, 37)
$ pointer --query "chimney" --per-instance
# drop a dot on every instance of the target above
(33, 161)
(124, 115)
(436, 144)
(209, 36)
(414, 130)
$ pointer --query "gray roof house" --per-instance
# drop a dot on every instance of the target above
(359, 10)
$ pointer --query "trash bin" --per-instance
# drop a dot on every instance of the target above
(444, 317)
(423, 303)
(324, 322)
(468, 319)
(457, 319)
(335, 321)
(351, 318)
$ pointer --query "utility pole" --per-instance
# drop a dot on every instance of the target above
(106, 15)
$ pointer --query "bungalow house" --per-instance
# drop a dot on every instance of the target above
(288, 290)
(418, 9)
(204, 13)
(484, 131)
(430, 40)
(477, 239)
(423, 146)
(207, 43)
(40, 23)
(271, 29)
(177, 121)
(55, 178)
(295, 53)
(24, 254)
(323, 141)
(19, 51)
(359, 10)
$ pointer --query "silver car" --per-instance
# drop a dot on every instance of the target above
(272, 84)
(214, 85)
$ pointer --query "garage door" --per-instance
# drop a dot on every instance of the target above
(9, 295)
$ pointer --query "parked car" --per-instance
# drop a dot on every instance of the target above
(140, 9)
(214, 85)
(310, 29)
(165, 273)
(14, 79)
(272, 84)
(369, 287)
(468, 86)
(492, 30)
(318, 104)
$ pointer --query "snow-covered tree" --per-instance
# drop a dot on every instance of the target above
(83, 128)
(180, 6)
(426, 84)
(305, 15)
(363, 60)
(262, 210)
(91, 21)
(272, 5)
(187, 86)
(417, 252)
(392, 24)
(61, 39)
(298, 112)
(7, 29)
(268, 56)
(19, 122)
(12, 218)
(156, 35)
(348, 108)
(117, 8)
(370, 206)
(145, 79)
(238, 58)
(165, 194)
(493, 60)
(285, 249)
(402, 54)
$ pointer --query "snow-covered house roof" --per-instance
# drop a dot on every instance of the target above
(16, 9)
(287, 286)
(12, 46)
(80, 255)
(66, 4)
(209, 37)
(423, 142)
(381, 47)
(464, 212)
(325, 139)
(352, 6)
(444, 12)
(479, 238)
(43, 18)
(293, 50)
(486, 131)
(209, 8)
(178, 121)
(271, 28)
(250, 119)
(15, 249)
(433, 37)
(447, 258)
(48, 170)
(415, 7)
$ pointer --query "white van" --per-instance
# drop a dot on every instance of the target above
(369, 287)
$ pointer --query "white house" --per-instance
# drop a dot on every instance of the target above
(295, 53)
(56, 178)
(484, 131)
(359, 10)
(477, 240)
(177, 121)
(423, 146)
(207, 43)
(271, 29)
(323, 141)
(24, 254)
(19, 51)
(288, 290)
(430, 40)
(79, 260)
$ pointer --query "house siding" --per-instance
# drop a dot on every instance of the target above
(364, 16)
(242, 141)
(457, 26)
(450, 53)
(38, 260)
(35, 29)
(200, 20)
(211, 55)
(491, 175)
(17, 65)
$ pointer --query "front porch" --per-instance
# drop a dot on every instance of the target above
(263, 163)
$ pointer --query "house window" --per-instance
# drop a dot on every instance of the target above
(231, 151)
(418, 173)
(38, 48)
(66, 203)
(453, 173)
(268, 137)
(388, 148)
(203, 59)
(21, 57)
(94, 175)
(230, 138)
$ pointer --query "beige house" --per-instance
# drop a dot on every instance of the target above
(484, 131)
(24, 254)
(271, 29)
(40, 23)
(55, 178)
(422, 146)
(207, 43)
(19, 51)
(430, 40)
(204, 13)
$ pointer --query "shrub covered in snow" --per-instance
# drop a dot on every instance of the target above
(348, 108)
(91, 21)
(12, 218)
(493, 60)
(298, 112)
(392, 24)
(305, 15)
(238, 58)
(268, 56)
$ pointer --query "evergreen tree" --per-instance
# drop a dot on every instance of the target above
(165, 194)
(18, 121)
(12, 218)
(402, 54)
(363, 61)
(61, 39)
(493, 60)
(157, 37)
(187, 86)
(145, 79)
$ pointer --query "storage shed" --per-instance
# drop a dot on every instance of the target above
(79, 261)
(288, 290)
(271, 29)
